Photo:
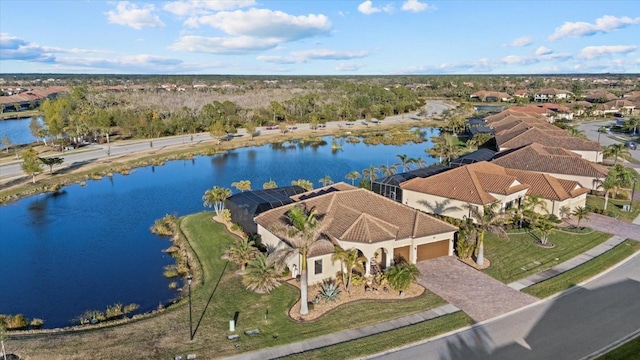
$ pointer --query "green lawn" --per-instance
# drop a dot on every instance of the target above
(627, 351)
(615, 207)
(584, 271)
(209, 240)
(381, 342)
(519, 256)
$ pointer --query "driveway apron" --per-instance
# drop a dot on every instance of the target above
(477, 294)
(610, 225)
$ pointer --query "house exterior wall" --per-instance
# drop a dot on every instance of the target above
(418, 200)
(329, 268)
(584, 181)
(593, 156)
(504, 199)
(553, 206)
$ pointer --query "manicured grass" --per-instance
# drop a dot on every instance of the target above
(627, 351)
(519, 256)
(395, 338)
(584, 271)
(209, 240)
(615, 207)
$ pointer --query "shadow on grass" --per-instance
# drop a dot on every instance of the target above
(210, 297)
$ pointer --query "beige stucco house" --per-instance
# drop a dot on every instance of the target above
(554, 161)
(379, 228)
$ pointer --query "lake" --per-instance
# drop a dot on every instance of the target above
(17, 130)
(89, 247)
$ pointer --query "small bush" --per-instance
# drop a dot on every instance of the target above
(225, 214)
(114, 311)
(15, 322)
(357, 280)
(130, 308)
(36, 323)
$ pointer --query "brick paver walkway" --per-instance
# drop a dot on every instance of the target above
(477, 294)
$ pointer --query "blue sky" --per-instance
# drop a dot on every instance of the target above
(295, 37)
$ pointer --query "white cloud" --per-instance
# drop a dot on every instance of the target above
(199, 7)
(281, 59)
(14, 48)
(521, 41)
(592, 52)
(220, 45)
(415, 6)
(265, 23)
(325, 54)
(344, 66)
(518, 60)
(128, 14)
(367, 8)
(543, 50)
(604, 24)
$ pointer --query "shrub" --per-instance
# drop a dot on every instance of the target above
(166, 226)
(554, 218)
(401, 275)
(225, 214)
(114, 311)
(36, 323)
(357, 280)
(130, 308)
(15, 322)
(330, 291)
(464, 248)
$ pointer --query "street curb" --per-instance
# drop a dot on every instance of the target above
(613, 346)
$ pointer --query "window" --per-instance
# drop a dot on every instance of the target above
(318, 267)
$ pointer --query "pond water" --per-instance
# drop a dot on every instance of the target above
(89, 247)
(17, 130)
(488, 108)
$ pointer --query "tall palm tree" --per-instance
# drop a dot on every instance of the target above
(303, 183)
(326, 181)
(262, 275)
(491, 220)
(609, 184)
(534, 205)
(405, 161)
(302, 231)
(351, 261)
(353, 176)
(242, 185)
(215, 198)
(420, 163)
(581, 213)
(614, 151)
(371, 173)
(387, 170)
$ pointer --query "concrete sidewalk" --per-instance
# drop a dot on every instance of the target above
(567, 265)
(347, 335)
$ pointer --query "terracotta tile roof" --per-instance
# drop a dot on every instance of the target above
(547, 186)
(359, 215)
(552, 91)
(547, 159)
(470, 183)
(341, 186)
(520, 138)
(511, 112)
(518, 125)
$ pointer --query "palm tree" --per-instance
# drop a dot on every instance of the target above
(241, 252)
(609, 184)
(405, 161)
(488, 220)
(302, 231)
(242, 185)
(401, 275)
(351, 261)
(420, 163)
(270, 185)
(388, 170)
(532, 205)
(632, 124)
(581, 213)
(371, 173)
(326, 181)
(353, 176)
(262, 275)
(215, 197)
(545, 226)
(303, 183)
(616, 150)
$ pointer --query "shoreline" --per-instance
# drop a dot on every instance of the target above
(18, 187)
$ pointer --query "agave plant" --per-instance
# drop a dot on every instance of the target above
(330, 290)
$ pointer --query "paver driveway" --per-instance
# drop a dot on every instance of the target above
(477, 294)
(610, 225)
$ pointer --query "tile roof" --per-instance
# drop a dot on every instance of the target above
(547, 186)
(518, 138)
(470, 183)
(548, 159)
(359, 215)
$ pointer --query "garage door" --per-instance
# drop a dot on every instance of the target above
(401, 252)
(433, 250)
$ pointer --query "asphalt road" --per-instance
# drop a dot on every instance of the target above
(94, 152)
(573, 326)
(590, 129)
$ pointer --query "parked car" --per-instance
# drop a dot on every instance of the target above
(618, 115)
(630, 144)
